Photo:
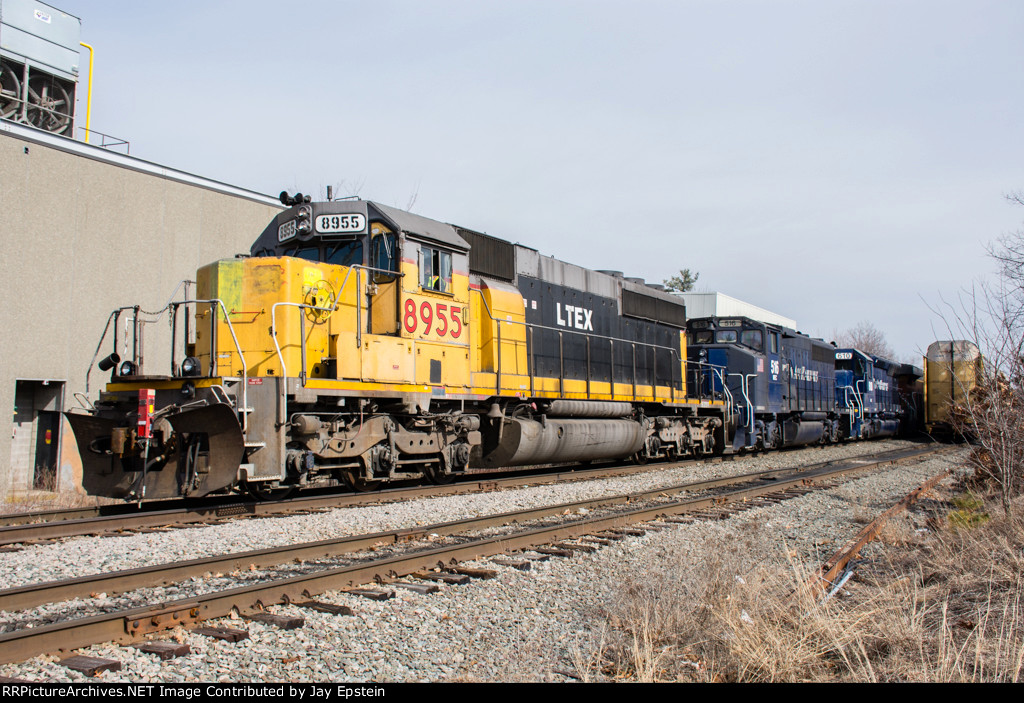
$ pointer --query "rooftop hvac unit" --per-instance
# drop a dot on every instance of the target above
(38, 65)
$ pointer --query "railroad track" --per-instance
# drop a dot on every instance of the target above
(41, 526)
(608, 519)
(111, 519)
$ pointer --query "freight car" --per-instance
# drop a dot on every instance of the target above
(952, 369)
(363, 344)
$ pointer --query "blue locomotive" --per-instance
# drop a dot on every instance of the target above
(788, 389)
(868, 391)
(781, 382)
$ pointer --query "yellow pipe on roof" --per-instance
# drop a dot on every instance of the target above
(88, 99)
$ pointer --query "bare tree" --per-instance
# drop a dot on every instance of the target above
(866, 337)
(991, 314)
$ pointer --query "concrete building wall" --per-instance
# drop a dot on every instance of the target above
(85, 232)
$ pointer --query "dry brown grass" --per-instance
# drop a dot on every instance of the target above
(35, 500)
(943, 608)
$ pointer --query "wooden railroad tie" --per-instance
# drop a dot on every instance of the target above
(421, 588)
(520, 564)
(630, 531)
(90, 666)
(372, 593)
(443, 577)
(573, 547)
(285, 622)
(329, 608)
(163, 649)
(537, 557)
(474, 572)
(228, 634)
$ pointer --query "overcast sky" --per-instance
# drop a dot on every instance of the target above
(830, 161)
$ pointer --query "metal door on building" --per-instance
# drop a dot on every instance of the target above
(35, 436)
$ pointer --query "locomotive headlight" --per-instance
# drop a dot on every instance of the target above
(303, 226)
(190, 366)
(109, 362)
(127, 368)
(304, 213)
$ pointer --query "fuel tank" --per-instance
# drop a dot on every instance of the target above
(525, 441)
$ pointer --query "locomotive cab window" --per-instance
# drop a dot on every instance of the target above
(752, 339)
(435, 269)
(704, 338)
(726, 337)
(384, 256)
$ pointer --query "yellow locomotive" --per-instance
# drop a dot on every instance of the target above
(359, 343)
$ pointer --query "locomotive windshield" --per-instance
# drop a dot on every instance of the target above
(307, 253)
(344, 253)
(856, 365)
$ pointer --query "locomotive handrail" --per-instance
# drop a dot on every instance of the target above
(531, 326)
(860, 399)
(337, 302)
(856, 405)
(716, 371)
(302, 333)
(720, 370)
(359, 307)
(746, 399)
(116, 314)
(213, 351)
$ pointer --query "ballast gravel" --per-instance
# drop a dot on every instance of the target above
(520, 626)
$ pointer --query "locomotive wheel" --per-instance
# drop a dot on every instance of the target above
(358, 484)
(437, 475)
(260, 491)
(10, 93)
(49, 106)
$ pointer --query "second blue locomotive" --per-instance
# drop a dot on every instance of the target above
(790, 389)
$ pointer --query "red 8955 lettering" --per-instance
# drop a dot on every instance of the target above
(428, 314)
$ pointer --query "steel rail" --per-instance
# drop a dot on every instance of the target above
(133, 624)
(70, 522)
(34, 595)
(475, 482)
(835, 564)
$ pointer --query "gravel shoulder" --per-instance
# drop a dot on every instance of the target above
(521, 626)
